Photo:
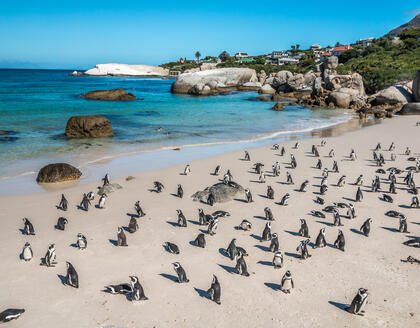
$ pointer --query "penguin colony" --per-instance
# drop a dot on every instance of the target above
(386, 182)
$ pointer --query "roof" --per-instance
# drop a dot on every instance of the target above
(325, 54)
(246, 60)
(342, 48)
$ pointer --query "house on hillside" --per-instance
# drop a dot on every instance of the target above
(287, 61)
(241, 55)
(324, 55)
(337, 51)
(365, 42)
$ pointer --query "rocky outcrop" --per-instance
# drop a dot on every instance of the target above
(107, 189)
(278, 107)
(113, 69)
(281, 78)
(393, 95)
(221, 192)
(109, 95)
(340, 99)
(92, 126)
(267, 89)
(250, 86)
(214, 81)
(410, 109)
(416, 87)
(294, 83)
(261, 76)
(58, 172)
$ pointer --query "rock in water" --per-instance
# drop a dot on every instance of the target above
(58, 172)
(222, 192)
(92, 126)
(109, 95)
(278, 106)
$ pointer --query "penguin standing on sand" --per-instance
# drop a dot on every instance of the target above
(245, 225)
(274, 245)
(270, 192)
(248, 196)
(415, 202)
(187, 169)
(180, 191)
(303, 248)
(342, 181)
(105, 180)
(158, 186)
(287, 283)
(215, 291)
(137, 293)
(320, 240)
(72, 279)
(359, 180)
(351, 212)
(84, 204)
(182, 221)
(262, 177)
(50, 256)
(284, 200)
(101, 203)
(293, 163)
(121, 238)
(200, 241)
(378, 146)
(303, 186)
(61, 223)
(403, 225)
(335, 167)
(81, 241)
(63, 203)
(27, 253)
(365, 228)
(217, 170)
(319, 164)
(232, 250)
(278, 260)
(359, 195)
(138, 209)
(211, 229)
(133, 225)
(304, 230)
(337, 218)
(247, 157)
(268, 214)
(282, 151)
(331, 153)
(289, 179)
(182, 276)
(241, 267)
(359, 302)
(266, 235)
(28, 227)
(340, 241)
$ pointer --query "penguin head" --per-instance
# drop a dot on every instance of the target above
(68, 264)
(268, 225)
(27, 244)
(288, 274)
(215, 280)
(176, 265)
(51, 247)
(274, 236)
(370, 220)
(340, 232)
(79, 236)
(323, 231)
(134, 279)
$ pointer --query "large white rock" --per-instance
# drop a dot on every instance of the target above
(126, 70)
(393, 95)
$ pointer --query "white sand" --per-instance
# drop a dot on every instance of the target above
(328, 276)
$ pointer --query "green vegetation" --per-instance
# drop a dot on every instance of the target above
(182, 67)
(385, 61)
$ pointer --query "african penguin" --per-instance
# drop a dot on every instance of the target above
(214, 291)
(72, 279)
(137, 290)
(359, 302)
(287, 283)
(182, 276)
(27, 253)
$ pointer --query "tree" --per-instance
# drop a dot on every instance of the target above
(198, 55)
(297, 46)
(338, 44)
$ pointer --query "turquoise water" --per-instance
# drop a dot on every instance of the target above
(36, 104)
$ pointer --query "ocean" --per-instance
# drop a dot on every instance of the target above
(36, 104)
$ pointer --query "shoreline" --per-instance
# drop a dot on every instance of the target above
(123, 164)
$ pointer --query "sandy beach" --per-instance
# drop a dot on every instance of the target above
(324, 283)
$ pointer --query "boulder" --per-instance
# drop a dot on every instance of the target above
(114, 69)
(294, 83)
(281, 78)
(262, 76)
(267, 89)
(278, 107)
(109, 95)
(221, 192)
(195, 83)
(392, 96)
(340, 99)
(411, 109)
(330, 63)
(107, 189)
(250, 86)
(92, 126)
(416, 87)
(309, 78)
(317, 89)
(58, 172)
(350, 81)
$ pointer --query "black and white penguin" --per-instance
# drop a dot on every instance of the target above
(342, 181)
(171, 247)
(278, 260)
(50, 256)
(245, 225)
(282, 151)
(217, 170)
(266, 235)
(182, 276)
(61, 223)
(212, 227)
(81, 241)
(387, 198)
(276, 147)
(318, 214)
(101, 202)
(72, 278)
(287, 283)
(182, 221)
(231, 250)
(303, 249)
(415, 242)
(123, 288)
(331, 153)
(319, 200)
(63, 203)
(121, 238)
(296, 146)
(340, 241)
(303, 186)
(204, 219)
(138, 209)
(138, 292)
(394, 214)
(158, 186)
(241, 267)
(393, 157)
(90, 195)
(284, 199)
(351, 212)
(323, 142)
(403, 225)
(415, 202)
(293, 162)
(27, 253)
(180, 191)
(274, 244)
(352, 155)
(335, 167)
(200, 241)
(268, 214)
(262, 177)
(337, 218)
(28, 227)
(133, 225)
(319, 164)
(11, 314)
(105, 180)
(365, 228)
(320, 240)
(220, 214)
(289, 179)
(187, 169)
(359, 302)
(270, 192)
(247, 157)
(378, 146)
(304, 230)
(359, 180)
(248, 196)
(359, 195)
(215, 291)
(84, 204)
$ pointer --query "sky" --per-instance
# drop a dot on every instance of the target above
(79, 34)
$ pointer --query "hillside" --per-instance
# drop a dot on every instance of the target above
(415, 22)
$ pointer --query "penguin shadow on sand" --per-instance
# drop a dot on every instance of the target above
(174, 224)
(404, 206)
(340, 306)
(296, 256)
(263, 196)
(223, 252)
(113, 242)
(240, 200)
(326, 223)
(169, 276)
(81, 208)
(22, 231)
(201, 292)
(256, 237)
(292, 232)
(259, 217)
(228, 269)
(273, 286)
(62, 279)
(263, 248)
(193, 222)
(267, 263)
(74, 245)
(357, 232)
(349, 199)
(390, 229)
(418, 223)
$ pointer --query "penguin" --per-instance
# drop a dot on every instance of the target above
(121, 238)
(341, 205)
(137, 290)
(296, 145)
(262, 177)
(323, 142)
(337, 218)
(84, 204)
(359, 195)
(329, 209)
(101, 203)
(282, 151)
(245, 225)
(232, 250)
(318, 214)
(335, 167)
(353, 156)
(276, 147)
(119, 289)
(284, 200)
(320, 201)
(182, 221)
(258, 167)
(50, 256)
(158, 186)
(278, 260)
(214, 292)
(387, 198)
(394, 214)
(303, 186)
(72, 279)
(293, 163)
(138, 209)
(340, 241)
(304, 230)
(415, 202)
(407, 151)
(351, 211)
(204, 219)
(323, 189)
(342, 181)
(133, 225)
(393, 157)
(359, 302)
(403, 225)
(378, 146)
(200, 241)
(365, 228)
(320, 240)
(241, 267)
(81, 241)
(266, 235)
(217, 170)
(270, 192)
(187, 169)
(287, 283)
(105, 180)
(274, 245)
(11, 314)
(325, 173)
(392, 188)
(220, 214)
(248, 196)
(210, 199)
(63, 203)
(415, 242)
(303, 248)
(319, 164)
(28, 227)
(182, 276)
(229, 175)
(180, 191)
(211, 229)
(171, 248)
(289, 179)
(247, 157)
(315, 152)
(268, 214)
(27, 253)
(331, 153)
(61, 223)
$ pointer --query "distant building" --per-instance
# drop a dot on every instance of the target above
(324, 55)
(224, 56)
(365, 42)
(286, 61)
(315, 47)
(246, 60)
(337, 51)
(241, 55)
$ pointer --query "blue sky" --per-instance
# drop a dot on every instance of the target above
(79, 34)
